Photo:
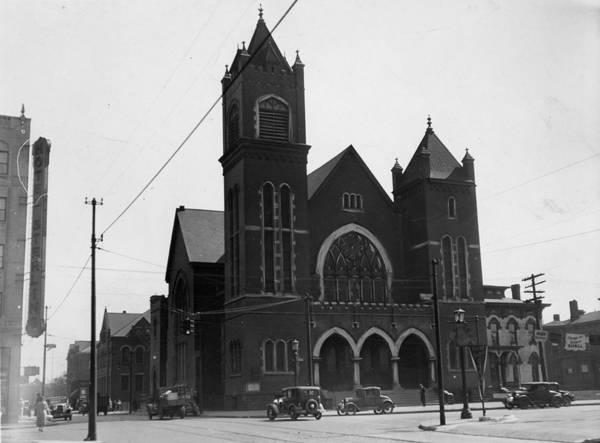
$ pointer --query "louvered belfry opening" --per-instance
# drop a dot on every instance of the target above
(273, 116)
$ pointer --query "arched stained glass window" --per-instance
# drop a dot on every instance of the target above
(354, 271)
(269, 236)
(273, 117)
(286, 237)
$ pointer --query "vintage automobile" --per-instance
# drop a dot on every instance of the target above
(295, 401)
(567, 397)
(61, 410)
(366, 398)
(171, 401)
(539, 394)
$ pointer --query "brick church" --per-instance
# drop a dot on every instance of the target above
(331, 259)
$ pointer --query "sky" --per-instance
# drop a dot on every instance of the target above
(117, 86)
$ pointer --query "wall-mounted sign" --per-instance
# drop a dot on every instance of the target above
(37, 275)
(541, 335)
(575, 342)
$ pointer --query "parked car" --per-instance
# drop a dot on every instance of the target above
(170, 402)
(61, 410)
(295, 401)
(539, 394)
(366, 398)
(567, 397)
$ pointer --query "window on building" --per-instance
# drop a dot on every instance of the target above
(494, 327)
(273, 118)
(125, 351)
(234, 239)
(139, 355)
(2, 209)
(354, 271)
(585, 368)
(268, 210)
(235, 355)
(277, 356)
(448, 267)
(463, 268)
(534, 362)
(451, 207)
(124, 382)
(233, 124)
(3, 162)
(352, 201)
(280, 356)
(139, 382)
(512, 332)
(287, 239)
(269, 358)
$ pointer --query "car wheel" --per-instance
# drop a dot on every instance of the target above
(271, 414)
(351, 409)
(378, 410)
(312, 406)
(341, 411)
(566, 401)
(318, 415)
(556, 402)
(388, 407)
(524, 403)
(508, 405)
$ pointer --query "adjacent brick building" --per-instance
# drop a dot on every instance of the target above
(78, 365)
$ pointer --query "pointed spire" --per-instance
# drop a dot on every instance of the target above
(244, 50)
(260, 11)
(429, 128)
(467, 156)
(397, 165)
(227, 72)
(23, 110)
(298, 61)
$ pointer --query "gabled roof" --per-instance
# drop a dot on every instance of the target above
(120, 323)
(319, 176)
(203, 233)
(442, 162)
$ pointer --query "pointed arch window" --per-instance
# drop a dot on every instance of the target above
(287, 238)
(268, 208)
(463, 263)
(354, 271)
(494, 327)
(448, 267)
(276, 356)
(233, 124)
(512, 327)
(534, 361)
(234, 239)
(273, 119)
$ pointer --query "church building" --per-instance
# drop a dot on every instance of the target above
(322, 278)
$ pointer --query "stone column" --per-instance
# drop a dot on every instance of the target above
(356, 362)
(395, 374)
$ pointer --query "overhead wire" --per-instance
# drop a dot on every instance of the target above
(197, 125)
(71, 288)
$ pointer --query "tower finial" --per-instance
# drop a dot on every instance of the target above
(23, 110)
(429, 121)
(260, 11)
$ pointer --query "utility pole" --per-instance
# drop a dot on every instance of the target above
(92, 391)
(45, 347)
(311, 379)
(537, 302)
(438, 340)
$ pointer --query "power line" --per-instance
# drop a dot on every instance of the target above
(206, 114)
(72, 286)
(129, 257)
(543, 241)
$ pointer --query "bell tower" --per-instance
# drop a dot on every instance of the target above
(264, 168)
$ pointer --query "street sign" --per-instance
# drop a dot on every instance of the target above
(541, 335)
(30, 371)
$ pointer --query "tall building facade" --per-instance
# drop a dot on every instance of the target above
(14, 166)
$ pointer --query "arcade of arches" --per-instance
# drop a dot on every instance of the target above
(341, 363)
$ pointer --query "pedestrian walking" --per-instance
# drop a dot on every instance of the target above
(422, 394)
(41, 409)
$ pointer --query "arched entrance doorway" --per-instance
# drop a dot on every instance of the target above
(375, 363)
(335, 367)
(413, 363)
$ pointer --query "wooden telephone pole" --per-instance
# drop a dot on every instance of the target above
(536, 299)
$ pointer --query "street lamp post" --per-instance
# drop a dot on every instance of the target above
(295, 348)
(459, 319)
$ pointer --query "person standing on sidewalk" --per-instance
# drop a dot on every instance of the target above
(422, 394)
(40, 409)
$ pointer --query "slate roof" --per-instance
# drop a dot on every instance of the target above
(442, 162)
(203, 234)
(120, 323)
(316, 178)
(585, 318)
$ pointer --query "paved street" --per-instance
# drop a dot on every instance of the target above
(574, 424)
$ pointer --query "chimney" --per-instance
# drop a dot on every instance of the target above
(575, 313)
(516, 291)
(556, 317)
